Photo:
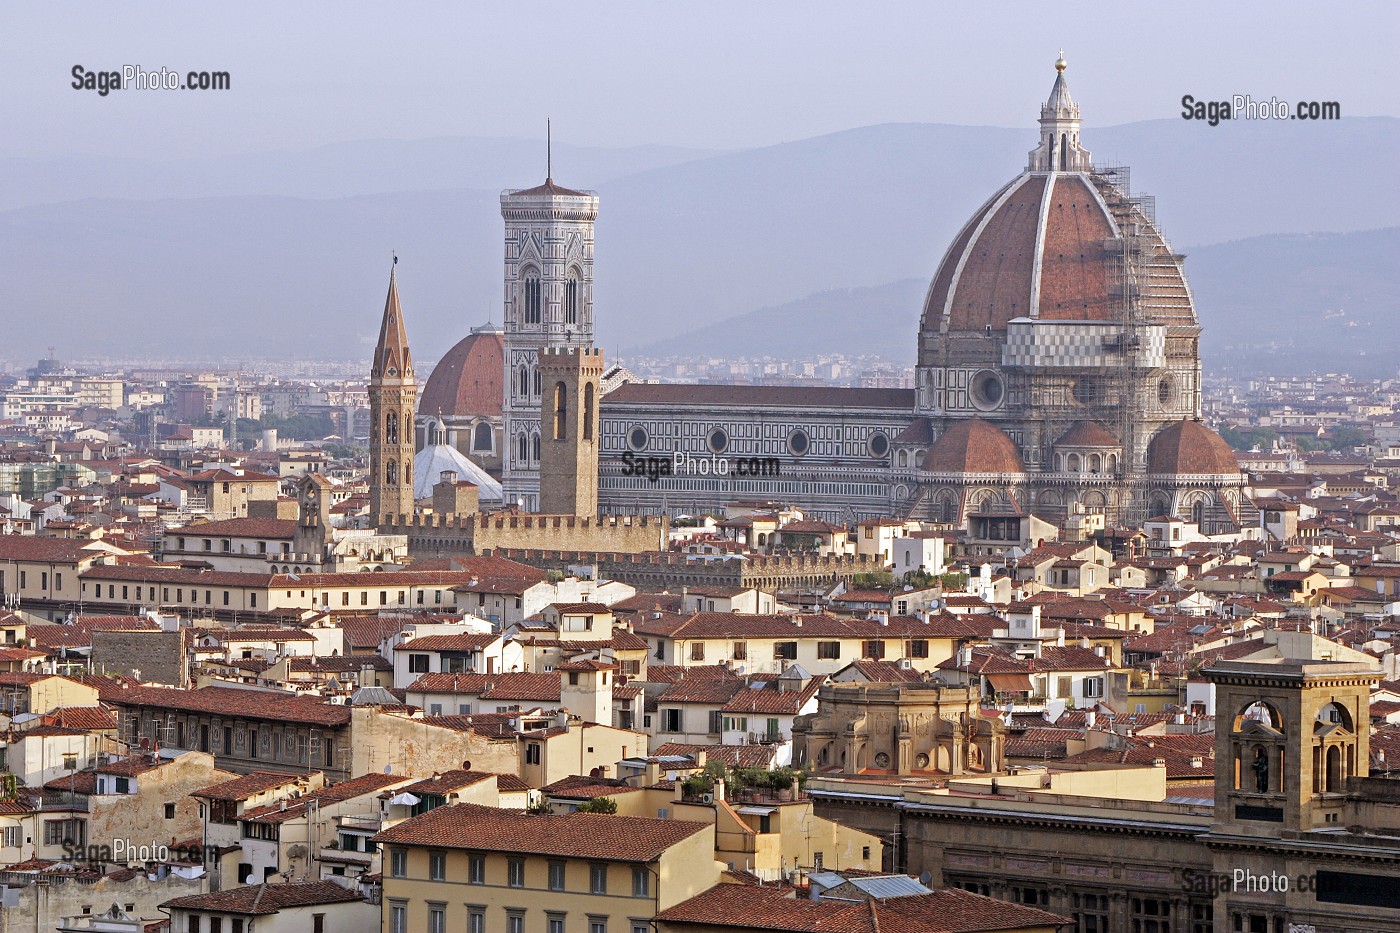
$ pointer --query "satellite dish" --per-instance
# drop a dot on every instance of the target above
(388, 769)
(145, 744)
(926, 878)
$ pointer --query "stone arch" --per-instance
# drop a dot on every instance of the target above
(561, 412)
(531, 294)
(945, 506)
(483, 441)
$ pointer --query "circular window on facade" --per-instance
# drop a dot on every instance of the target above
(1164, 392)
(882, 760)
(718, 440)
(879, 444)
(637, 438)
(987, 390)
(799, 443)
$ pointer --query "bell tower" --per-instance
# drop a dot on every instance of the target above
(393, 392)
(548, 305)
(1288, 735)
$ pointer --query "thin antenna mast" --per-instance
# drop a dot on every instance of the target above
(548, 150)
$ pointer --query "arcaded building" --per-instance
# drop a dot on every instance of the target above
(1058, 372)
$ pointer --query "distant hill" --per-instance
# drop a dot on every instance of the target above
(286, 255)
(880, 321)
(372, 166)
(1321, 301)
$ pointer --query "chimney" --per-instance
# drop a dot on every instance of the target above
(1090, 718)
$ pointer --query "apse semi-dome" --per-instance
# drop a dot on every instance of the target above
(1190, 448)
(973, 446)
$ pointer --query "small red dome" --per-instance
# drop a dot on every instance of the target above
(1190, 448)
(973, 446)
(1087, 434)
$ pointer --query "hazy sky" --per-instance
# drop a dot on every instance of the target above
(708, 74)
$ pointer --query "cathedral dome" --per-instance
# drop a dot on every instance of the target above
(1050, 245)
(1190, 448)
(467, 381)
(973, 446)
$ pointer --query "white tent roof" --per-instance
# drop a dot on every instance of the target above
(430, 462)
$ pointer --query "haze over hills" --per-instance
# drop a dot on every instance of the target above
(372, 166)
(682, 242)
(1320, 301)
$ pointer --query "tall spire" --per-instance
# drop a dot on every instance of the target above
(1059, 149)
(391, 355)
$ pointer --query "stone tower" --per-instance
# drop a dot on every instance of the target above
(1288, 735)
(548, 304)
(313, 517)
(568, 473)
(392, 394)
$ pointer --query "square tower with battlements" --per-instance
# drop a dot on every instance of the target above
(568, 473)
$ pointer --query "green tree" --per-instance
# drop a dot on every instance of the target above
(599, 805)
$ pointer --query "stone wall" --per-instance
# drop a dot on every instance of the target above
(444, 535)
(159, 656)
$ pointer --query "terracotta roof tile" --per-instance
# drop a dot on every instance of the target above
(575, 835)
(262, 899)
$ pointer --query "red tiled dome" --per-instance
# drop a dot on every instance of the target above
(973, 446)
(1087, 434)
(1189, 447)
(1029, 253)
(467, 380)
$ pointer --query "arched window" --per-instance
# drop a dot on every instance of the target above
(1074, 463)
(588, 411)
(572, 288)
(1095, 463)
(537, 382)
(481, 438)
(1064, 156)
(524, 449)
(533, 295)
(536, 447)
(1198, 512)
(561, 412)
(524, 381)
(391, 473)
(391, 428)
